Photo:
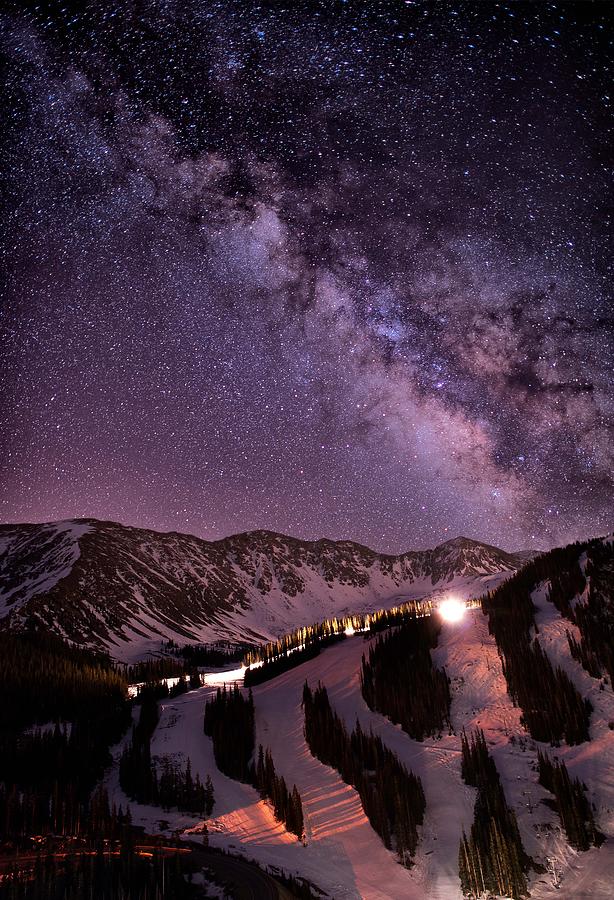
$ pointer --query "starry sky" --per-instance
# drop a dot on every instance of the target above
(331, 269)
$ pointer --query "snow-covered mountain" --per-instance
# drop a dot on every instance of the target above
(124, 589)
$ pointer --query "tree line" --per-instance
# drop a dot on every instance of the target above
(595, 618)
(161, 690)
(338, 625)
(229, 721)
(492, 858)
(180, 660)
(287, 660)
(47, 785)
(594, 615)
(391, 796)
(62, 709)
(552, 708)
(567, 579)
(571, 803)
(287, 805)
(218, 654)
(58, 810)
(305, 643)
(43, 679)
(174, 785)
(399, 680)
(98, 874)
(150, 670)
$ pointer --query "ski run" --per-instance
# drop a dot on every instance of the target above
(342, 855)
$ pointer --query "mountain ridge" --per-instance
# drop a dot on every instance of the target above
(458, 540)
(120, 588)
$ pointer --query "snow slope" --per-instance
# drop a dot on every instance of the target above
(33, 559)
(589, 874)
(343, 855)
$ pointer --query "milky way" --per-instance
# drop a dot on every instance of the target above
(333, 269)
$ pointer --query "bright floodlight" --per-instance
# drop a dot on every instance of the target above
(452, 610)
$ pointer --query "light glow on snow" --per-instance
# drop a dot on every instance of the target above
(227, 676)
(452, 610)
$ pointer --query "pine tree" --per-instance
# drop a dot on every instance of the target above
(493, 857)
(552, 708)
(399, 680)
(392, 797)
(572, 805)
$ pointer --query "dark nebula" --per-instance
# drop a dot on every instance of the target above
(334, 269)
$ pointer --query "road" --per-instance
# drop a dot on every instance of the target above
(246, 880)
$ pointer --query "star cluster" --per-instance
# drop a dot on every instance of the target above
(335, 269)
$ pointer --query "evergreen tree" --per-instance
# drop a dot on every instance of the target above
(552, 707)
(492, 858)
(171, 787)
(392, 797)
(306, 642)
(572, 805)
(229, 721)
(86, 875)
(48, 775)
(399, 680)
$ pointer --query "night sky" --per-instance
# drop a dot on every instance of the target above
(337, 269)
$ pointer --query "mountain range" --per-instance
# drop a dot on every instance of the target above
(124, 589)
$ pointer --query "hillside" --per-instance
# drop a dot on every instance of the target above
(125, 589)
(530, 674)
(343, 854)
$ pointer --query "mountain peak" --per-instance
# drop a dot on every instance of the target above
(460, 541)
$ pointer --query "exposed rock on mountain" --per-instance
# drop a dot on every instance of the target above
(126, 589)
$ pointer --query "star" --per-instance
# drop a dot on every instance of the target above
(324, 271)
